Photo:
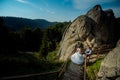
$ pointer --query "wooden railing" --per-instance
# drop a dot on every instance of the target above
(59, 72)
(29, 75)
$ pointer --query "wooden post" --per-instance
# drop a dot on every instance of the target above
(85, 68)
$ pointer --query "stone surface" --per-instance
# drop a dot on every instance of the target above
(94, 29)
(110, 67)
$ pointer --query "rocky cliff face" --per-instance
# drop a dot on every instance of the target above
(94, 29)
(110, 67)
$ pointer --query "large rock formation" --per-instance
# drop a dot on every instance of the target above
(110, 67)
(94, 29)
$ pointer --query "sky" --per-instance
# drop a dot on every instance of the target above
(54, 10)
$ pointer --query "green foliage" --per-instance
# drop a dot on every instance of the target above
(51, 38)
(30, 50)
(93, 69)
(25, 63)
(52, 56)
(31, 40)
(37, 36)
(25, 40)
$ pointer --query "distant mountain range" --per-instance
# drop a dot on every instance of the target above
(17, 23)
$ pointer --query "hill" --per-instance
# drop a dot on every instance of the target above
(17, 23)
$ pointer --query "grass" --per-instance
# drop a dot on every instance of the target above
(52, 56)
(92, 69)
(21, 64)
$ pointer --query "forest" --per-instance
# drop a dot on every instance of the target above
(29, 50)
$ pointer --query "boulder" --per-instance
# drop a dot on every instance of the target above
(94, 29)
(110, 66)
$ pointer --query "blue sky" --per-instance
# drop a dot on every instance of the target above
(54, 10)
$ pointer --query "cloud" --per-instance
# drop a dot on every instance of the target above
(85, 4)
(46, 7)
(51, 12)
(22, 1)
(116, 10)
(36, 6)
(30, 4)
